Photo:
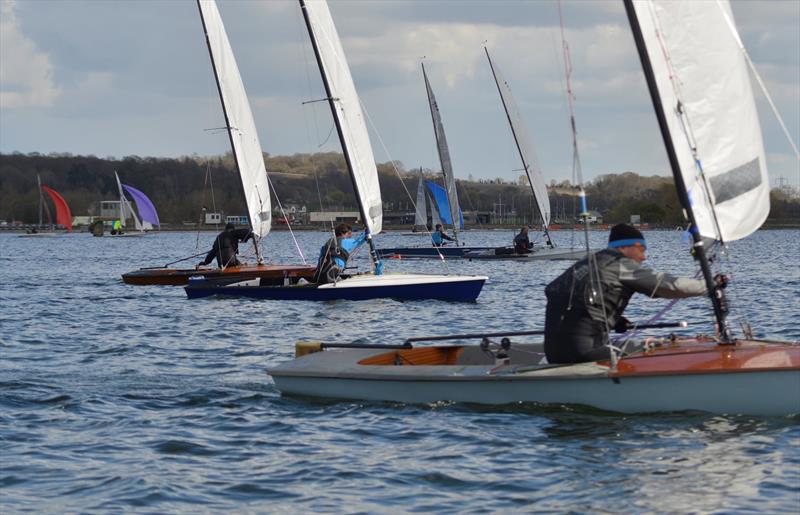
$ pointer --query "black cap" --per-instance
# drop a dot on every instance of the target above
(229, 226)
(624, 235)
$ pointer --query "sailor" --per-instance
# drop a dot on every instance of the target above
(226, 246)
(522, 243)
(581, 313)
(334, 254)
(438, 237)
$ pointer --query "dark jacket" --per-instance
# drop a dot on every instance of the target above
(579, 316)
(522, 243)
(226, 247)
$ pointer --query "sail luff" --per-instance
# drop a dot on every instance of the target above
(716, 295)
(523, 142)
(239, 121)
(41, 198)
(444, 154)
(347, 114)
(420, 216)
(123, 207)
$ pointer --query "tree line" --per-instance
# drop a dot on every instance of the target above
(182, 187)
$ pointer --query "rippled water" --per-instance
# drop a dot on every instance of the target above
(119, 398)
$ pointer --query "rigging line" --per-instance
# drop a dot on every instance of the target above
(283, 213)
(397, 172)
(761, 84)
(301, 35)
(595, 282)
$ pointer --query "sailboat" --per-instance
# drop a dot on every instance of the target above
(446, 197)
(63, 215)
(351, 128)
(715, 150)
(527, 155)
(144, 221)
(249, 160)
(421, 211)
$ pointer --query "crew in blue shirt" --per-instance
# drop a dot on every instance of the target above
(438, 237)
(334, 254)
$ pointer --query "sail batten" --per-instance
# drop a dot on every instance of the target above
(704, 90)
(347, 112)
(444, 154)
(524, 144)
(239, 120)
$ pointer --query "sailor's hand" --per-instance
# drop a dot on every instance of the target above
(622, 325)
(721, 280)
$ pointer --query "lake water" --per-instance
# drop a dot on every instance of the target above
(117, 398)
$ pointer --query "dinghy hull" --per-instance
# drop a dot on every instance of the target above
(749, 378)
(554, 254)
(362, 287)
(180, 276)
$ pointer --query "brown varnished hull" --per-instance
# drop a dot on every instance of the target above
(180, 276)
(706, 356)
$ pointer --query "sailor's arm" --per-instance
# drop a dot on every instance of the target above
(658, 284)
(349, 244)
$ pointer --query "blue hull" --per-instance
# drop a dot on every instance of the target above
(463, 291)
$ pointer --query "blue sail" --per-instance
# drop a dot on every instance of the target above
(439, 195)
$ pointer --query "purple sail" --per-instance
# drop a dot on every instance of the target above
(147, 211)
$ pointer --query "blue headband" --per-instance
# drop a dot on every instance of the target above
(627, 243)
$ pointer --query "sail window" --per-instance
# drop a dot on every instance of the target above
(736, 182)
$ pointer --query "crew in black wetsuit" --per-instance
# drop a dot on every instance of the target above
(579, 318)
(522, 242)
(226, 246)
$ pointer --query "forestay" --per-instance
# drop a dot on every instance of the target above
(239, 120)
(350, 118)
(705, 91)
(444, 152)
(524, 144)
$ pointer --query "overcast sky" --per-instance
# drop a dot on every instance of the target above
(119, 78)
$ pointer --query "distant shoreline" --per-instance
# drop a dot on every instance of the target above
(403, 229)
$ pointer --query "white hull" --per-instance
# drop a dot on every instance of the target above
(390, 279)
(126, 235)
(754, 379)
(715, 393)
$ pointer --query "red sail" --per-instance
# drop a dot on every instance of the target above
(63, 216)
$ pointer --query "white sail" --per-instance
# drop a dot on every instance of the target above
(444, 154)
(421, 215)
(126, 209)
(704, 87)
(239, 120)
(354, 136)
(524, 144)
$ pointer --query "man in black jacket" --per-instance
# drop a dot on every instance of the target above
(581, 312)
(226, 246)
